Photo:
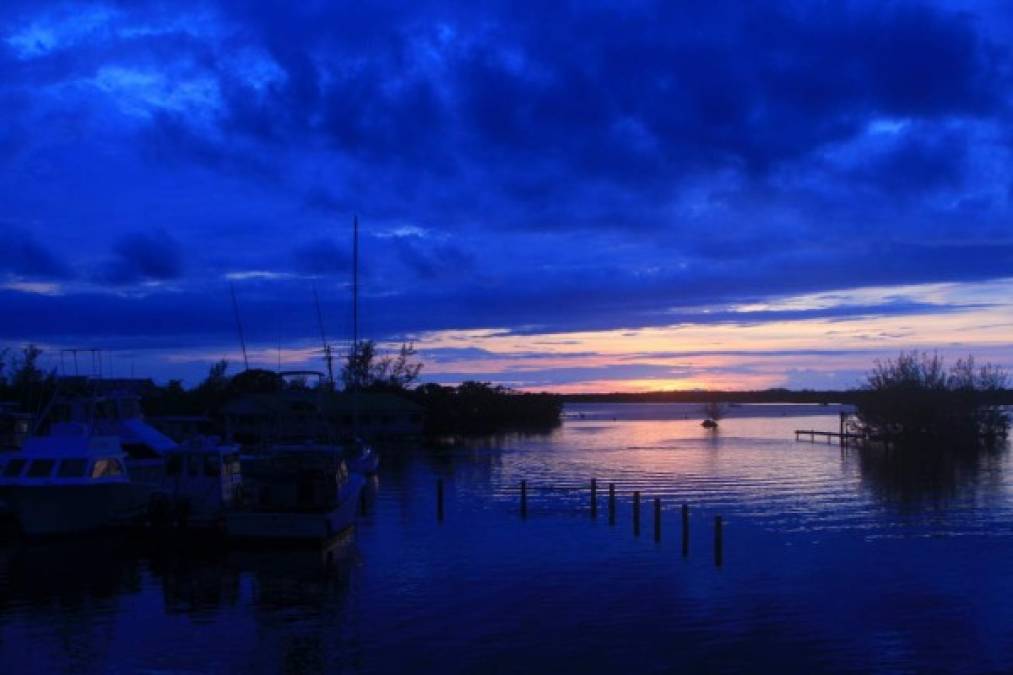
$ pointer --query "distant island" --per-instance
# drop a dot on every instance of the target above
(774, 395)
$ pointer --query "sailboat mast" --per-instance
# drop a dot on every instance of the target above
(239, 327)
(355, 283)
(355, 327)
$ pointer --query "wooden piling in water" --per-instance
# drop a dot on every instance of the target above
(718, 541)
(636, 513)
(685, 530)
(594, 497)
(657, 519)
(439, 499)
(612, 503)
(524, 499)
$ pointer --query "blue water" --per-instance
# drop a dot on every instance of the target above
(831, 563)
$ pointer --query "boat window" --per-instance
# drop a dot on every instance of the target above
(106, 468)
(14, 467)
(41, 468)
(72, 468)
(211, 465)
(174, 465)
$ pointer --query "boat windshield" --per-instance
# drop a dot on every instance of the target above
(14, 468)
(72, 468)
(40, 468)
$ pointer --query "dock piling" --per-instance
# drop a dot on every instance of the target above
(594, 497)
(612, 503)
(439, 499)
(657, 519)
(636, 513)
(718, 541)
(685, 530)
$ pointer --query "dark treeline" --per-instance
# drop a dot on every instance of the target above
(914, 402)
(481, 408)
(819, 396)
(469, 408)
(22, 381)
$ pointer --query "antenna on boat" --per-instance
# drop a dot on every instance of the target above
(328, 354)
(353, 362)
(239, 326)
(355, 282)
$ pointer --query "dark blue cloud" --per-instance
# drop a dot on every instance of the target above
(522, 166)
(22, 254)
(322, 257)
(141, 257)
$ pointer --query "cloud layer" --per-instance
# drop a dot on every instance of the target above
(530, 168)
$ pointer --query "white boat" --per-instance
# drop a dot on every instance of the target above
(189, 483)
(202, 480)
(296, 493)
(69, 481)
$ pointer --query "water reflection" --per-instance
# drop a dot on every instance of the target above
(922, 478)
(832, 562)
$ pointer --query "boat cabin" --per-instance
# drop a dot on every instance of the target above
(67, 456)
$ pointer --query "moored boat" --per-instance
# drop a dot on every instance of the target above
(297, 493)
(69, 481)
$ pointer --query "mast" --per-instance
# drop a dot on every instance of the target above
(239, 326)
(355, 283)
(355, 326)
(328, 356)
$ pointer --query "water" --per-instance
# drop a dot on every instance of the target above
(830, 563)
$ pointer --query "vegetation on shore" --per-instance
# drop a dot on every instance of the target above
(469, 408)
(914, 401)
(911, 400)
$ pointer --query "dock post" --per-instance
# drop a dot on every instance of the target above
(657, 519)
(594, 497)
(612, 503)
(636, 513)
(718, 542)
(439, 499)
(685, 530)
(524, 499)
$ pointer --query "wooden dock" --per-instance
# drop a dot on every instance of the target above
(811, 435)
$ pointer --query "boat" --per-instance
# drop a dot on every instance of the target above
(185, 484)
(69, 481)
(299, 493)
(203, 479)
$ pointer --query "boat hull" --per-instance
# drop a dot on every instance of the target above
(66, 509)
(306, 526)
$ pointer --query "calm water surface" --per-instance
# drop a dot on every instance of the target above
(831, 562)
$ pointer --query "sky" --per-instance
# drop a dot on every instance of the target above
(593, 196)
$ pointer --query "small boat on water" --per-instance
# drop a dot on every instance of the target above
(69, 481)
(302, 493)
